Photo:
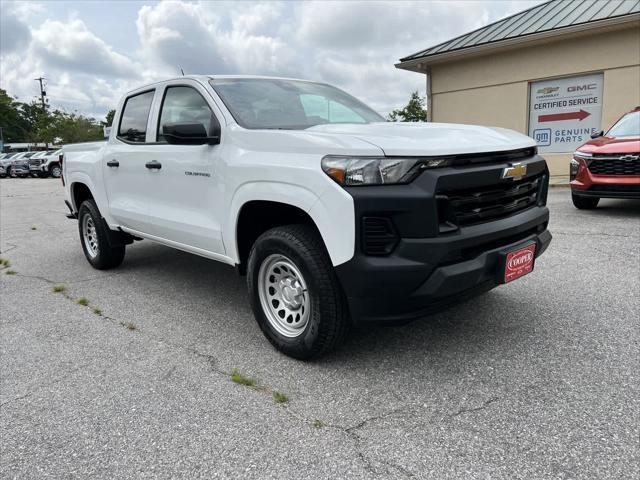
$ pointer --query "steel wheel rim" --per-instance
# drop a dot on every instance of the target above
(284, 295)
(90, 236)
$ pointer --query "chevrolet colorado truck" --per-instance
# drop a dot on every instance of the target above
(335, 216)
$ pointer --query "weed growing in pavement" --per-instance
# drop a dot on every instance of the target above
(10, 272)
(129, 325)
(33, 227)
(280, 397)
(59, 288)
(318, 423)
(5, 262)
(97, 311)
(237, 377)
(83, 301)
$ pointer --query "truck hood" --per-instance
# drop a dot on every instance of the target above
(428, 139)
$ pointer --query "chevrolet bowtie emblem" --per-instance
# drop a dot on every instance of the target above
(515, 171)
(629, 158)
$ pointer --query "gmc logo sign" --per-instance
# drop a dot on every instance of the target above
(581, 88)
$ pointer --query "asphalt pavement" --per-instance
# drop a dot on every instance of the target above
(536, 379)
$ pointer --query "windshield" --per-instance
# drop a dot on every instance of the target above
(627, 126)
(289, 104)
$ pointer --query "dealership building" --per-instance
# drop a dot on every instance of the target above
(558, 72)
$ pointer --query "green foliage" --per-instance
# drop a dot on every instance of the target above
(280, 397)
(109, 118)
(83, 301)
(414, 111)
(59, 288)
(29, 122)
(14, 125)
(237, 377)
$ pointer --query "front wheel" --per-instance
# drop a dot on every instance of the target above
(584, 203)
(11, 173)
(94, 237)
(55, 171)
(295, 295)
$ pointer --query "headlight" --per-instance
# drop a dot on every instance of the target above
(350, 171)
(583, 155)
(574, 166)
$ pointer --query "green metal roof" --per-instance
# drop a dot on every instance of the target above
(545, 17)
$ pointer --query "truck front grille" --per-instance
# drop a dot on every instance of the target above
(486, 203)
(615, 165)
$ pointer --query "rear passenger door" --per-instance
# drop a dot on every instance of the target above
(127, 180)
(187, 192)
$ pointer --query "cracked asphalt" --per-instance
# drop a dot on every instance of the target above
(536, 379)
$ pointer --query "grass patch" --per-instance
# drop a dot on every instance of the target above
(59, 288)
(129, 325)
(318, 423)
(237, 377)
(97, 311)
(10, 272)
(5, 262)
(83, 301)
(280, 397)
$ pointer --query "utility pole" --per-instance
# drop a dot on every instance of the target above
(42, 92)
(44, 105)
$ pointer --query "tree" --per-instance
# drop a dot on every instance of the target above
(15, 128)
(414, 111)
(71, 128)
(110, 114)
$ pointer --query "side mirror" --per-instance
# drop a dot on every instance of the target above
(190, 134)
(597, 134)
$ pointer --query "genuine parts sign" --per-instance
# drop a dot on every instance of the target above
(564, 112)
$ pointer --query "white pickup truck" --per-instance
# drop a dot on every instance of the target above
(336, 216)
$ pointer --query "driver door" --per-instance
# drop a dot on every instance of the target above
(187, 187)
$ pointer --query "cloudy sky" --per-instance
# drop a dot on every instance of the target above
(93, 51)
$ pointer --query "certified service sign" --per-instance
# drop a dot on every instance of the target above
(563, 113)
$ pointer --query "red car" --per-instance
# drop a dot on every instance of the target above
(608, 166)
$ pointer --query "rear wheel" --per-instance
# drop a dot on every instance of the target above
(94, 237)
(11, 173)
(295, 295)
(584, 203)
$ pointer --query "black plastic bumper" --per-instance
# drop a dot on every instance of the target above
(615, 191)
(427, 269)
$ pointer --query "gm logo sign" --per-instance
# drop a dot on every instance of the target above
(542, 136)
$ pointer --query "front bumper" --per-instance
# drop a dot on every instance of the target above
(586, 184)
(428, 269)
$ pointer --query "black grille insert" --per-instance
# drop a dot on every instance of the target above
(492, 202)
(379, 237)
(616, 165)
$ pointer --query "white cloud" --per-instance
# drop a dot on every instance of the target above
(352, 44)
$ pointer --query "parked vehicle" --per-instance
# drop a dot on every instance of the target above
(608, 166)
(46, 164)
(335, 216)
(5, 163)
(20, 165)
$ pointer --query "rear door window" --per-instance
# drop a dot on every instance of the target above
(135, 114)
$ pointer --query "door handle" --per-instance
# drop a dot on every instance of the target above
(153, 165)
(113, 163)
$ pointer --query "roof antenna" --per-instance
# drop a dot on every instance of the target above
(182, 71)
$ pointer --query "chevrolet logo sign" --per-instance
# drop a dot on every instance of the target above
(515, 171)
(629, 158)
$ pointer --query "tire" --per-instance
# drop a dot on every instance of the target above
(584, 203)
(99, 253)
(10, 173)
(55, 170)
(321, 321)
